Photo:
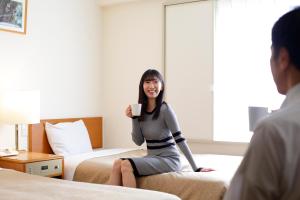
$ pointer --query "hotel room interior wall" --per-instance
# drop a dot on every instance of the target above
(60, 55)
(132, 43)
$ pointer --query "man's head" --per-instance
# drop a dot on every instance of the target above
(285, 48)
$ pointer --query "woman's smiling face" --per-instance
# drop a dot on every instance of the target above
(152, 87)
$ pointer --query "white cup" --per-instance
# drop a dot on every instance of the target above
(255, 115)
(136, 109)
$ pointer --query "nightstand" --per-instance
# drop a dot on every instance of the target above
(35, 163)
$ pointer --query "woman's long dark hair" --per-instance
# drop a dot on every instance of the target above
(148, 75)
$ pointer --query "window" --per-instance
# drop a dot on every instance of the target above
(242, 75)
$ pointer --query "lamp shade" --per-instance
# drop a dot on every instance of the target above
(20, 107)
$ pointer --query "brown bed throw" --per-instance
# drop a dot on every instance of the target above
(187, 185)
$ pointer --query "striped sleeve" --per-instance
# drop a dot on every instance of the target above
(172, 123)
(187, 153)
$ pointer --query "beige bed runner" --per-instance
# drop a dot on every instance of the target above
(187, 185)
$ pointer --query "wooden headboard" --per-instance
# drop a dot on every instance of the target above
(37, 138)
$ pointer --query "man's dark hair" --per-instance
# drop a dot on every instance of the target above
(286, 34)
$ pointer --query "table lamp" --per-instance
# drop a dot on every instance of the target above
(20, 107)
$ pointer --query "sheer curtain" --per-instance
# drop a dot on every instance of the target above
(242, 75)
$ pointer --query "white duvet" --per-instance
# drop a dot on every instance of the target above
(21, 186)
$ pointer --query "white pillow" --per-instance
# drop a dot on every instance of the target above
(68, 138)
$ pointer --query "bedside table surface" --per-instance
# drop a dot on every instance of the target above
(27, 157)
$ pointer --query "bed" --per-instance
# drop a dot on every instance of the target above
(22, 186)
(95, 167)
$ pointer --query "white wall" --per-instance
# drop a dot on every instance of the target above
(60, 55)
(132, 35)
(113, 2)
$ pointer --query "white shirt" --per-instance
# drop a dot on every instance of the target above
(271, 166)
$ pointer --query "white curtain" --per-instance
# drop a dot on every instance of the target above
(242, 75)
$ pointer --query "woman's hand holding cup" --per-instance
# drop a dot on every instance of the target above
(133, 110)
(128, 111)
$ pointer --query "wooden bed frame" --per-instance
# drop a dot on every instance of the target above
(37, 138)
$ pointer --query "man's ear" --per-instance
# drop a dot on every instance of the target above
(284, 59)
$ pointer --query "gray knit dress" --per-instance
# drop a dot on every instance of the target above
(160, 136)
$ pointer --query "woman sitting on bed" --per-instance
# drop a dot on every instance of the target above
(158, 125)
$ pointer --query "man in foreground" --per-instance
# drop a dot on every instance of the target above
(271, 166)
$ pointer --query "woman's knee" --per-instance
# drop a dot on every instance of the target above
(126, 166)
(117, 165)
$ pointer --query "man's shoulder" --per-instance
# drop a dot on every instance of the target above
(285, 115)
(279, 122)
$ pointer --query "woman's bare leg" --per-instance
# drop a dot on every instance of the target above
(128, 177)
(115, 177)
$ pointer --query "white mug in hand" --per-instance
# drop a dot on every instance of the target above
(136, 109)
